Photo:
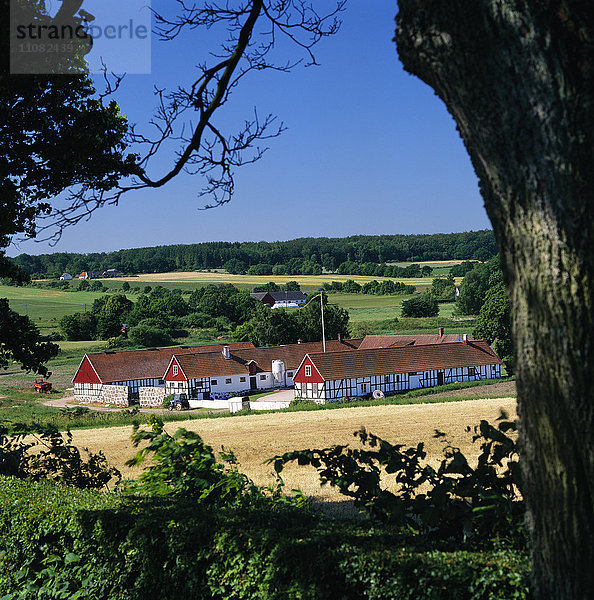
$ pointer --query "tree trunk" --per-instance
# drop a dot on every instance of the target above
(518, 78)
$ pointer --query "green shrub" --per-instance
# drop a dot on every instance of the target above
(455, 502)
(144, 335)
(64, 543)
(424, 305)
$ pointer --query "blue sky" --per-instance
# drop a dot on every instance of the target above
(368, 149)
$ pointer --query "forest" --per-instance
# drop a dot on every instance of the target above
(303, 255)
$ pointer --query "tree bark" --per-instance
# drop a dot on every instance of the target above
(518, 78)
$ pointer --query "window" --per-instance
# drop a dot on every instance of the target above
(471, 372)
(175, 370)
(397, 378)
(180, 384)
(386, 379)
(228, 380)
(242, 380)
(290, 373)
(213, 381)
(308, 370)
(262, 377)
(161, 382)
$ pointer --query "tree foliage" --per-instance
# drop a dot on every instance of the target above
(423, 305)
(289, 256)
(455, 501)
(39, 452)
(475, 285)
(494, 321)
(272, 327)
(21, 342)
(443, 289)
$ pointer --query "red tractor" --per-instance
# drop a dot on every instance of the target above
(42, 387)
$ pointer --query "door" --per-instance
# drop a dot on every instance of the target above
(439, 377)
(253, 384)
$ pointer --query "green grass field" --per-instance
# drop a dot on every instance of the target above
(44, 305)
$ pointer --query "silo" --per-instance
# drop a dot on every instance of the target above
(278, 373)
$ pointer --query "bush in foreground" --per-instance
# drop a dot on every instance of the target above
(65, 543)
(194, 527)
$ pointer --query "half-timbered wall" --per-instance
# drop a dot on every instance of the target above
(135, 384)
(176, 387)
(88, 392)
(335, 390)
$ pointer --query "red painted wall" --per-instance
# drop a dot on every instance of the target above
(86, 373)
(169, 376)
(315, 376)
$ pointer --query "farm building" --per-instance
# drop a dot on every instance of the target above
(234, 372)
(99, 274)
(281, 299)
(392, 340)
(123, 377)
(146, 376)
(330, 376)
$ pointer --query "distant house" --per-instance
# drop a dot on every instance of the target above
(65, 277)
(100, 274)
(112, 273)
(290, 299)
(330, 376)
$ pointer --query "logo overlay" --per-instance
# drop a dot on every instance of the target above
(80, 37)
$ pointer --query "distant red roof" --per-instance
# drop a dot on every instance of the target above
(403, 359)
(391, 340)
(127, 365)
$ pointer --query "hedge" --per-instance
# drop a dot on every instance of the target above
(60, 542)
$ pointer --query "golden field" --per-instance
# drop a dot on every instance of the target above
(307, 281)
(257, 437)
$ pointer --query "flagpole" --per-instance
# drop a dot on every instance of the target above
(322, 309)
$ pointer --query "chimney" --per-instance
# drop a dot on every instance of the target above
(226, 352)
(441, 332)
(339, 340)
(465, 338)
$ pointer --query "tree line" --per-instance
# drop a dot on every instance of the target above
(299, 256)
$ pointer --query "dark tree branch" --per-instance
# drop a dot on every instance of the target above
(252, 28)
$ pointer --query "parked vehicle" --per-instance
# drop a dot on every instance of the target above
(42, 387)
(179, 402)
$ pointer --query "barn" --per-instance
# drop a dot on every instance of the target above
(331, 376)
(238, 371)
(120, 377)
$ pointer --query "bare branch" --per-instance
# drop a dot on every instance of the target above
(252, 29)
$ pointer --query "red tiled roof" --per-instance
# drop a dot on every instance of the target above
(407, 359)
(215, 364)
(392, 340)
(126, 365)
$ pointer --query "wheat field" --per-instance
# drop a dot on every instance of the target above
(257, 437)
